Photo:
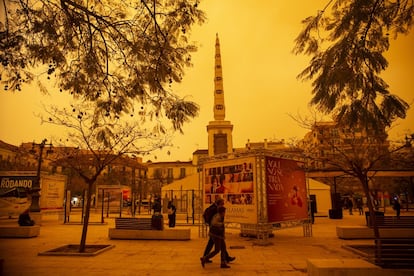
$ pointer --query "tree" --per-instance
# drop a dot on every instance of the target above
(346, 41)
(357, 153)
(113, 53)
(95, 141)
(346, 45)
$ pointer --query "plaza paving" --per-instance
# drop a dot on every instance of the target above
(287, 255)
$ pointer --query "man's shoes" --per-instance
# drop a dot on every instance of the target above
(230, 259)
(203, 261)
(224, 266)
(208, 261)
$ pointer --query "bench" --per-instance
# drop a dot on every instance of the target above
(395, 253)
(393, 222)
(133, 223)
(19, 231)
(364, 232)
(388, 227)
(145, 229)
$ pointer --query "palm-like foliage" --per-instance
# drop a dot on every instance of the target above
(346, 48)
(110, 52)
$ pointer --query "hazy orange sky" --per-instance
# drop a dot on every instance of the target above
(259, 74)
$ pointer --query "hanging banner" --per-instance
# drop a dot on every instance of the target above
(16, 181)
(285, 189)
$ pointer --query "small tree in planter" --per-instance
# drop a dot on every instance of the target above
(95, 141)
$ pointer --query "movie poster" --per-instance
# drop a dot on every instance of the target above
(286, 190)
(52, 192)
(234, 181)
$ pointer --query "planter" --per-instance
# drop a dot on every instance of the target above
(73, 250)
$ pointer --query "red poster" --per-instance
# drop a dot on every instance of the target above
(125, 194)
(286, 190)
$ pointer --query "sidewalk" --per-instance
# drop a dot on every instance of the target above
(286, 256)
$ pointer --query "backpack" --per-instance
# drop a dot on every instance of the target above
(209, 212)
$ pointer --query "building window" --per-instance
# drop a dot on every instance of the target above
(219, 91)
(220, 143)
(170, 173)
(182, 172)
(219, 106)
(218, 78)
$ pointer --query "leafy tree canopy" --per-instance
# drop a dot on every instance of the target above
(346, 41)
(113, 53)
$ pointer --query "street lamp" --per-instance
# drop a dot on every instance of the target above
(34, 207)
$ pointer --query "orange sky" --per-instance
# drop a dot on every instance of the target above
(259, 73)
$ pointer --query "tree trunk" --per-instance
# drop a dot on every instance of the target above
(86, 218)
(372, 216)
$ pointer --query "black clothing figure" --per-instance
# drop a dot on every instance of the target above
(312, 210)
(210, 243)
(360, 207)
(397, 208)
(217, 233)
(350, 205)
(25, 220)
(157, 221)
(157, 205)
(171, 214)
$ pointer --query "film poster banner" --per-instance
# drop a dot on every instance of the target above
(232, 180)
(16, 181)
(52, 192)
(285, 189)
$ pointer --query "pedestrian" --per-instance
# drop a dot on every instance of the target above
(397, 207)
(25, 220)
(208, 216)
(157, 205)
(157, 220)
(350, 206)
(312, 210)
(360, 206)
(171, 214)
(217, 233)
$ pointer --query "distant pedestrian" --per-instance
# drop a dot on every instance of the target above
(360, 206)
(157, 218)
(171, 214)
(312, 210)
(397, 207)
(350, 205)
(157, 205)
(217, 233)
(25, 220)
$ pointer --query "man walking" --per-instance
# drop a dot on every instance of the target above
(208, 216)
(217, 233)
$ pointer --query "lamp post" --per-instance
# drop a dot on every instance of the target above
(34, 207)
